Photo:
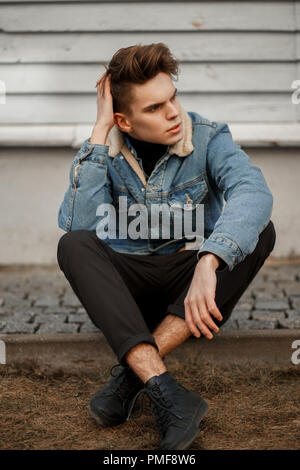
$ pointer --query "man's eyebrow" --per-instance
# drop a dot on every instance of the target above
(156, 104)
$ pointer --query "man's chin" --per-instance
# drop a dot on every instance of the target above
(173, 139)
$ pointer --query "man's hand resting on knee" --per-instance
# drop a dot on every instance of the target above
(200, 302)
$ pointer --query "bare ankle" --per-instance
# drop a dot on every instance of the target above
(145, 361)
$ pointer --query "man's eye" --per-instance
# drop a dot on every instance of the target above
(153, 108)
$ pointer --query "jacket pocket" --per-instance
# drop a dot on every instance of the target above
(186, 213)
(191, 192)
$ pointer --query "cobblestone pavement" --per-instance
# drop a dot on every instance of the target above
(40, 300)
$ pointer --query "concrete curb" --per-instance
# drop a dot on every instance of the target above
(88, 351)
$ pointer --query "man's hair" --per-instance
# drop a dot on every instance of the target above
(137, 64)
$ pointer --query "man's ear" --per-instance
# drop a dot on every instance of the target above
(122, 122)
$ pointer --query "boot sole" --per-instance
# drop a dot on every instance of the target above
(192, 431)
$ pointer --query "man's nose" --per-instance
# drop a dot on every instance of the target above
(172, 111)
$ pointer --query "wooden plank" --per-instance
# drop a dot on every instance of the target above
(297, 46)
(219, 77)
(251, 107)
(186, 16)
(280, 134)
(187, 47)
(297, 15)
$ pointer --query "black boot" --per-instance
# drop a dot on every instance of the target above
(178, 411)
(109, 405)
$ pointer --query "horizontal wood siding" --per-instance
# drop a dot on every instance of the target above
(237, 59)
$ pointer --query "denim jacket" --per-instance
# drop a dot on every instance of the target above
(205, 167)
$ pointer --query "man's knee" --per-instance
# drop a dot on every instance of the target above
(267, 240)
(70, 242)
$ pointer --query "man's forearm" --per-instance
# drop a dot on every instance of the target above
(99, 134)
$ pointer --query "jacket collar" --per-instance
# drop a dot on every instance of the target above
(116, 142)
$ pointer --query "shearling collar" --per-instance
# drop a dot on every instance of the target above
(182, 148)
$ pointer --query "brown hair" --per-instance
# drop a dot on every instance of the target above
(137, 64)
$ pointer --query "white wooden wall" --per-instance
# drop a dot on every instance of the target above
(237, 60)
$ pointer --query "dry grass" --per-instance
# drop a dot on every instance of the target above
(249, 409)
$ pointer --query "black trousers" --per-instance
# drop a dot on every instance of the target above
(127, 295)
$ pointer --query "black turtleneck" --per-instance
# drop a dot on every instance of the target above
(149, 153)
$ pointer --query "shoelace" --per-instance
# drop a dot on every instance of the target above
(123, 388)
(115, 365)
(162, 417)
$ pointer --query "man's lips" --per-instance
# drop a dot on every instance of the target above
(175, 128)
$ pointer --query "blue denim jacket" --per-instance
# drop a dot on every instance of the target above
(205, 167)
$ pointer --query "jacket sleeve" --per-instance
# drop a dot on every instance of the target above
(249, 201)
(89, 186)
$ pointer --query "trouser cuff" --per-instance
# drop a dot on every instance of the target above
(132, 341)
(177, 310)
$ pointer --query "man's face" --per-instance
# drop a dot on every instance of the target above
(155, 109)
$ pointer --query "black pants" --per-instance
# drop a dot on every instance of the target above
(127, 295)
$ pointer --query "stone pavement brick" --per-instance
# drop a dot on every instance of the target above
(81, 310)
(50, 318)
(231, 324)
(292, 320)
(269, 294)
(293, 313)
(240, 314)
(70, 300)
(57, 328)
(247, 295)
(77, 318)
(272, 304)
(48, 301)
(245, 305)
(292, 289)
(263, 315)
(88, 327)
(18, 327)
(281, 274)
(11, 300)
(59, 310)
(295, 302)
(256, 324)
(257, 283)
(22, 316)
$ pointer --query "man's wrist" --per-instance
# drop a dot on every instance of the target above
(210, 259)
(99, 134)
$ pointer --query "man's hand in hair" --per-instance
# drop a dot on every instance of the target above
(105, 114)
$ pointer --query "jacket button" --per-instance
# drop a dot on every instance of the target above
(121, 157)
(143, 189)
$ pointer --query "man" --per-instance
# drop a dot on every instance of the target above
(146, 147)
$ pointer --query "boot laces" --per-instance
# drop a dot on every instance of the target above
(123, 387)
(162, 406)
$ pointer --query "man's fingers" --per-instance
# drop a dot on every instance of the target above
(197, 317)
(189, 320)
(206, 318)
(213, 309)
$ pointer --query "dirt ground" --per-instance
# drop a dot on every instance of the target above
(249, 409)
